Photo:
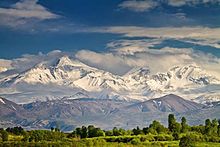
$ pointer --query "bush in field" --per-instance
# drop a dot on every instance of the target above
(137, 131)
(157, 128)
(176, 136)
(186, 141)
(163, 137)
(148, 137)
(44, 135)
(135, 141)
(109, 133)
(194, 136)
(199, 129)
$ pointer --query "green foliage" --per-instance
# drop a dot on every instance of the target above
(195, 136)
(218, 132)
(135, 141)
(184, 126)
(176, 136)
(171, 122)
(145, 130)
(186, 141)
(199, 129)
(89, 132)
(116, 132)
(137, 131)
(83, 132)
(4, 135)
(109, 133)
(214, 126)
(40, 135)
(208, 126)
(15, 130)
(157, 128)
(154, 135)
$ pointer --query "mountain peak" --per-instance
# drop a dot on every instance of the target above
(138, 72)
(65, 60)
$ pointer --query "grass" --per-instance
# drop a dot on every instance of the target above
(109, 141)
(207, 144)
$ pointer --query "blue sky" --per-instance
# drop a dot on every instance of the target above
(114, 35)
(70, 25)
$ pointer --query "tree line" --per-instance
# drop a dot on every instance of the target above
(209, 132)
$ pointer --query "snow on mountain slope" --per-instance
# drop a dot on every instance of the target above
(66, 77)
(208, 98)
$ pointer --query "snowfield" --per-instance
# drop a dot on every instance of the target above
(67, 78)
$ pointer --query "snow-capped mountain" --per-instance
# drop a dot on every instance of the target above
(66, 77)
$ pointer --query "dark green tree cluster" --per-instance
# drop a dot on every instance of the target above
(3, 135)
(15, 130)
(40, 135)
(88, 132)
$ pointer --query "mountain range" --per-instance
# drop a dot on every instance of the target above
(105, 113)
(65, 77)
(66, 93)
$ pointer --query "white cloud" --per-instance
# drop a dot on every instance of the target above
(119, 61)
(166, 32)
(196, 35)
(130, 47)
(146, 5)
(179, 3)
(128, 54)
(105, 61)
(138, 6)
(24, 10)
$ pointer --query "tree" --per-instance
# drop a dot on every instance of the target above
(208, 127)
(116, 131)
(173, 126)
(171, 122)
(214, 127)
(158, 127)
(4, 135)
(78, 132)
(99, 132)
(184, 126)
(95, 132)
(145, 130)
(219, 127)
(177, 127)
(83, 132)
(136, 131)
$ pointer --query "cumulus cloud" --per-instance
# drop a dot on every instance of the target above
(105, 61)
(138, 6)
(179, 3)
(20, 12)
(146, 5)
(120, 59)
(128, 54)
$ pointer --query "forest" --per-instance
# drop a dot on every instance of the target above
(155, 135)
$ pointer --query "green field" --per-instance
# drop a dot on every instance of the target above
(155, 135)
(134, 141)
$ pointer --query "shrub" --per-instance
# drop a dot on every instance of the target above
(196, 136)
(186, 141)
(135, 141)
